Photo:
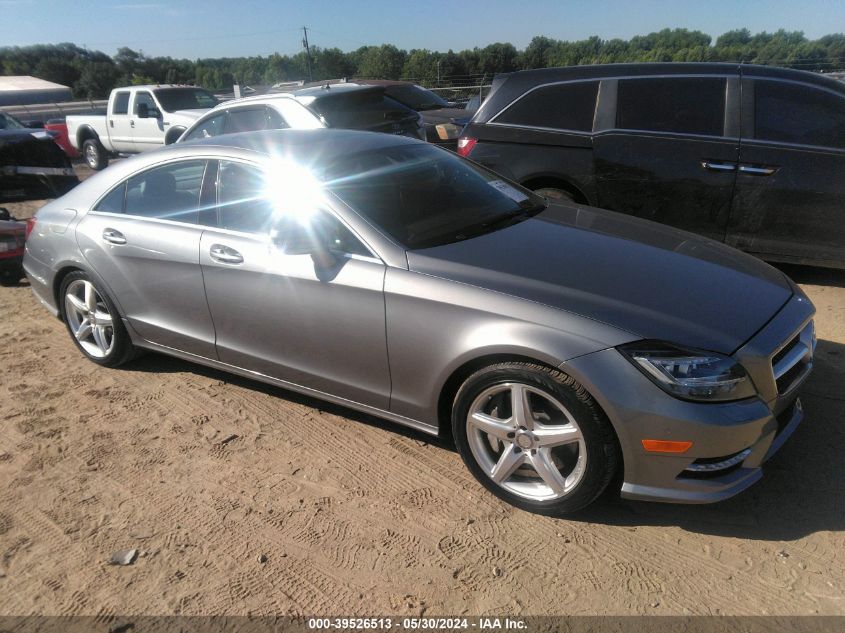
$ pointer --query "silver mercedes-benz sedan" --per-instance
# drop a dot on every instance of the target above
(559, 345)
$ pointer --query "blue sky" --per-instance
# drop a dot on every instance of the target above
(220, 28)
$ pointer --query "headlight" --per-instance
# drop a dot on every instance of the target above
(688, 374)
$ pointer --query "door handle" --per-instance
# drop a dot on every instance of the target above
(757, 171)
(714, 166)
(113, 236)
(132, 123)
(225, 255)
(111, 122)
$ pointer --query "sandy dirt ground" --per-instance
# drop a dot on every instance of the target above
(247, 499)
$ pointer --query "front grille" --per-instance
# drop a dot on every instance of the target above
(794, 361)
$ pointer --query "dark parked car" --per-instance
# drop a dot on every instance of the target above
(12, 237)
(355, 107)
(751, 156)
(443, 120)
(32, 165)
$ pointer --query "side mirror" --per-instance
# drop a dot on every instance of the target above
(309, 238)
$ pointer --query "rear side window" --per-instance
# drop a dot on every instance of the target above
(563, 107)
(246, 120)
(121, 103)
(170, 192)
(360, 110)
(687, 105)
(113, 202)
(797, 113)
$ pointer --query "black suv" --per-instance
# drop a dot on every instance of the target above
(748, 155)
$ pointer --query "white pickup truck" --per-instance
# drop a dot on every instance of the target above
(139, 118)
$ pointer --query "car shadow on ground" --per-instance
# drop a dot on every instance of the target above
(802, 490)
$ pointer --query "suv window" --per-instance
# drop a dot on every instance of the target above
(212, 126)
(797, 113)
(689, 105)
(121, 103)
(144, 97)
(563, 106)
(170, 192)
(250, 119)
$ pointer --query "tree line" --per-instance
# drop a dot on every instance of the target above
(92, 74)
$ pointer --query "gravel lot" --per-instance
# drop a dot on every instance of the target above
(243, 498)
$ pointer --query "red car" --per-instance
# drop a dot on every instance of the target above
(12, 237)
(59, 128)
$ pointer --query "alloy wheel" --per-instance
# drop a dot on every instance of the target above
(526, 441)
(89, 318)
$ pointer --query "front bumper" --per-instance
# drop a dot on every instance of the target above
(733, 438)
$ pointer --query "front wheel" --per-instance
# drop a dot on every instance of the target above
(534, 437)
(93, 322)
(95, 154)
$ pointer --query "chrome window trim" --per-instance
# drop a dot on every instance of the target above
(725, 76)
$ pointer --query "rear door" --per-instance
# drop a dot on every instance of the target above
(670, 152)
(292, 317)
(790, 191)
(142, 239)
(120, 122)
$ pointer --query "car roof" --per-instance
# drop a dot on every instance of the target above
(339, 88)
(301, 143)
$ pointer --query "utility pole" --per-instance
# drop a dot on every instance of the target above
(307, 52)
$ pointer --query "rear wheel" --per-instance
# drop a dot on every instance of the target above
(93, 322)
(534, 437)
(95, 154)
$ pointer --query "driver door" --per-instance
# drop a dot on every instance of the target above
(312, 321)
(147, 133)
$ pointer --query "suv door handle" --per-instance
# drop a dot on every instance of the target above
(132, 123)
(225, 255)
(713, 166)
(113, 236)
(757, 171)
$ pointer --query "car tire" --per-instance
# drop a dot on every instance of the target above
(93, 322)
(555, 195)
(173, 135)
(554, 456)
(95, 154)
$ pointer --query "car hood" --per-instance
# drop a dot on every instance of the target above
(192, 114)
(648, 279)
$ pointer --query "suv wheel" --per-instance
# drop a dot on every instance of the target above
(534, 437)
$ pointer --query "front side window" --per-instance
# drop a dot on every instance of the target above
(121, 103)
(686, 105)
(212, 126)
(797, 113)
(241, 198)
(146, 99)
(563, 107)
(169, 192)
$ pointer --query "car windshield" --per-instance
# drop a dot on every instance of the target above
(359, 110)
(424, 196)
(8, 122)
(172, 99)
(416, 97)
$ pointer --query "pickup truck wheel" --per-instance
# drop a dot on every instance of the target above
(95, 154)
